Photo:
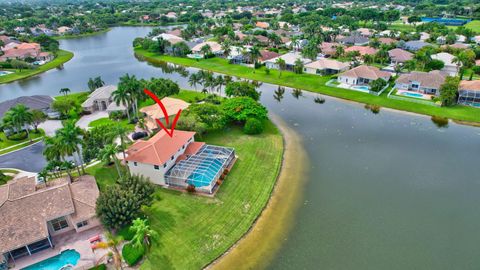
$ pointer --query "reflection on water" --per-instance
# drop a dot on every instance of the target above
(278, 94)
(440, 122)
(296, 93)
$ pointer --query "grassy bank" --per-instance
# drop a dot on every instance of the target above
(82, 35)
(194, 230)
(8, 145)
(315, 84)
(62, 57)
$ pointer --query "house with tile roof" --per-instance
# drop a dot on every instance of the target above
(363, 75)
(179, 161)
(354, 39)
(289, 58)
(101, 100)
(152, 112)
(362, 50)
(325, 66)
(415, 45)
(448, 59)
(423, 82)
(398, 56)
(469, 93)
(32, 212)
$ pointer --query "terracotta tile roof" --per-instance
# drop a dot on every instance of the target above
(329, 48)
(363, 50)
(470, 85)
(433, 79)
(367, 72)
(193, 148)
(160, 148)
(24, 215)
(400, 55)
(176, 32)
(387, 41)
(262, 25)
(214, 46)
(267, 55)
(325, 63)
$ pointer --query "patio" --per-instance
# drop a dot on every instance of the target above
(413, 94)
(69, 240)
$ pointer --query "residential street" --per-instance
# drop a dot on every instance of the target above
(29, 159)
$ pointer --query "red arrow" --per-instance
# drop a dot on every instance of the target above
(165, 114)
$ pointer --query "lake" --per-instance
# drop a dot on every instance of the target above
(384, 191)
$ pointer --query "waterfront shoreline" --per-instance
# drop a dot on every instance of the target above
(276, 219)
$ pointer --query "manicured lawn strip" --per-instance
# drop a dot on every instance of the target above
(108, 121)
(82, 35)
(316, 84)
(194, 230)
(5, 142)
(105, 175)
(78, 97)
(63, 56)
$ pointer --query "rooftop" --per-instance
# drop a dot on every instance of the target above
(37, 102)
(367, 72)
(433, 79)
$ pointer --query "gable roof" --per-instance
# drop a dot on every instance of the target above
(160, 148)
(433, 79)
(267, 55)
(325, 63)
(367, 72)
(36, 102)
(25, 209)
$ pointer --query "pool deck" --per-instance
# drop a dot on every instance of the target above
(424, 96)
(69, 240)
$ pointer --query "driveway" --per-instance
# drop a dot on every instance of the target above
(28, 159)
(87, 119)
(50, 126)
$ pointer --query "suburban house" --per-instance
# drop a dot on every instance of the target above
(354, 39)
(215, 48)
(267, 55)
(415, 45)
(37, 102)
(328, 48)
(363, 75)
(152, 112)
(23, 50)
(64, 30)
(399, 56)
(289, 58)
(450, 67)
(33, 213)
(387, 41)
(101, 100)
(325, 66)
(173, 39)
(365, 32)
(469, 93)
(423, 82)
(362, 50)
(179, 161)
(263, 25)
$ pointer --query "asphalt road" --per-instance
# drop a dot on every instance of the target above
(29, 159)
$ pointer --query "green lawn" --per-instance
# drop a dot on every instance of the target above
(16, 144)
(63, 56)
(105, 175)
(108, 121)
(78, 97)
(194, 230)
(316, 84)
(185, 95)
(474, 25)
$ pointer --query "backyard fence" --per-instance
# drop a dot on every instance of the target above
(426, 102)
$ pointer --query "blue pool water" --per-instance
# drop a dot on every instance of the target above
(205, 172)
(361, 88)
(67, 257)
(415, 95)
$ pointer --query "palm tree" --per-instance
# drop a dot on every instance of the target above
(64, 91)
(91, 84)
(281, 65)
(122, 96)
(71, 138)
(20, 116)
(194, 79)
(254, 54)
(132, 86)
(98, 82)
(54, 151)
(108, 153)
(122, 133)
(143, 234)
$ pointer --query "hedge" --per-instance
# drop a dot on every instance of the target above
(132, 255)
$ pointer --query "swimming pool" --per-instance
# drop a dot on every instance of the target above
(205, 173)
(362, 88)
(410, 94)
(60, 261)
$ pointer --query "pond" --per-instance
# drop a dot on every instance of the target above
(384, 190)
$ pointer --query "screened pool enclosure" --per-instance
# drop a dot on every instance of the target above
(202, 169)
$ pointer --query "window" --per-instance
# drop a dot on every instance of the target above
(156, 167)
(135, 163)
(59, 223)
(164, 165)
(82, 224)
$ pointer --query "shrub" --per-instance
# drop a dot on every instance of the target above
(191, 188)
(253, 126)
(267, 71)
(126, 233)
(132, 254)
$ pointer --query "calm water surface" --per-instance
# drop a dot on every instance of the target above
(384, 191)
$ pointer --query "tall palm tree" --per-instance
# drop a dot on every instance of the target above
(20, 116)
(133, 87)
(54, 152)
(109, 153)
(122, 133)
(122, 96)
(143, 234)
(71, 138)
(254, 54)
(194, 79)
(281, 65)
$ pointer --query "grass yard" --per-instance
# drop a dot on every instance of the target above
(108, 121)
(474, 26)
(105, 175)
(63, 56)
(78, 97)
(185, 95)
(195, 230)
(315, 84)
(15, 144)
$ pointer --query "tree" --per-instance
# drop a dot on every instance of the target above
(209, 114)
(298, 67)
(281, 65)
(64, 91)
(20, 116)
(94, 83)
(54, 152)
(45, 41)
(70, 137)
(53, 47)
(20, 65)
(377, 85)
(194, 79)
(143, 235)
(132, 87)
(413, 20)
(63, 106)
(38, 117)
(109, 153)
(448, 91)
(254, 54)
(434, 64)
(162, 87)
(122, 96)
(242, 89)
(239, 109)
(206, 50)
